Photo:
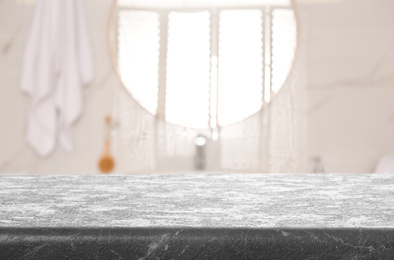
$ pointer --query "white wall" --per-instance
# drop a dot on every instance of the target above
(350, 67)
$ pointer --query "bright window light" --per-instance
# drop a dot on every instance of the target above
(240, 65)
(187, 91)
(283, 45)
(216, 67)
(138, 55)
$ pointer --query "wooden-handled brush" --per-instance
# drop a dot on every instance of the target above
(107, 162)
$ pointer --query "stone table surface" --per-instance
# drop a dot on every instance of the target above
(198, 200)
(197, 216)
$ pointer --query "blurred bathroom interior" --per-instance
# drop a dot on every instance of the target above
(333, 111)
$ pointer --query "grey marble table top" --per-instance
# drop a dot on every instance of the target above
(199, 200)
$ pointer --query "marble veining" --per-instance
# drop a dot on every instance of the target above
(199, 200)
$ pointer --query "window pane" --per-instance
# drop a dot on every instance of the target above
(187, 92)
(283, 45)
(138, 55)
(240, 64)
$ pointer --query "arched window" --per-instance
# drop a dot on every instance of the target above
(205, 67)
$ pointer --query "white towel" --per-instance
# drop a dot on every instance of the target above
(57, 63)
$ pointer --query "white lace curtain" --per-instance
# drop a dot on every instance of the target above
(272, 140)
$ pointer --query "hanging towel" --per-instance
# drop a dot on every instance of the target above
(57, 63)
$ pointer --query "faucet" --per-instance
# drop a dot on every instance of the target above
(199, 157)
